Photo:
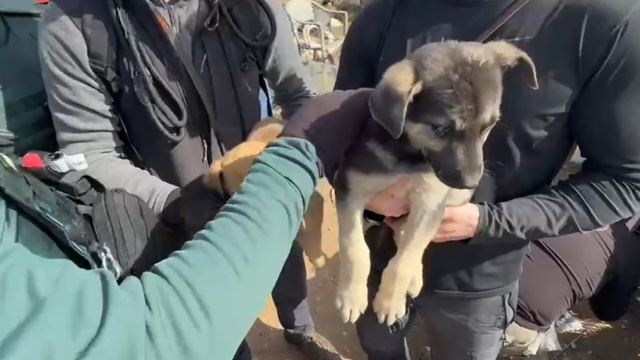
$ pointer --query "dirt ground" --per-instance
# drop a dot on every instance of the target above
(598, 342)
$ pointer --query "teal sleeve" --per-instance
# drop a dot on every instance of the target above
(197, 304)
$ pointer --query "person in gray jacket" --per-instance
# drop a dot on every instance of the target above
(177, 87)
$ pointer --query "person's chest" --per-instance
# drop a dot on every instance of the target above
(529, 145)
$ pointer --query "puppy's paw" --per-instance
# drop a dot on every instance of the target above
(351, 300)
(390, 303)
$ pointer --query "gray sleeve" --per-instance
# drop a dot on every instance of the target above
(284, 71)
(82, 111)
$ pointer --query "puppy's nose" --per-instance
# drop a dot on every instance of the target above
(456, 180)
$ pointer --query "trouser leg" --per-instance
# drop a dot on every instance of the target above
(290, 294)
(243, 352)
(379, 341)
(466, 328)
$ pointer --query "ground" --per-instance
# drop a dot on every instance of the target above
(600, 342)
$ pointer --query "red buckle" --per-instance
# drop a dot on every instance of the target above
(32, 161)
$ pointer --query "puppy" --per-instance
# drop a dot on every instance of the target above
(432, 111)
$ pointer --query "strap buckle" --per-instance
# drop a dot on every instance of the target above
(8, 163)
(108, 261)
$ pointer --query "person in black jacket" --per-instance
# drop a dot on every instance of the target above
(587, 54)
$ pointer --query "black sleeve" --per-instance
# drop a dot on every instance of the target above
(605, 123)
(358, 58)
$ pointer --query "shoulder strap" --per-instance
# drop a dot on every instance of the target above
(102, 53)
(391, 13)
(501, 20)
(102, 45)
(54, 213)
(255, 20)
(94, 21)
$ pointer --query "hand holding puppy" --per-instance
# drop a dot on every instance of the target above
(458, 223)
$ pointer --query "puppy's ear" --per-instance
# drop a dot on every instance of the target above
(212, 178)
(509, 56)
(389, 101)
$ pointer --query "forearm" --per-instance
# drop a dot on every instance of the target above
(197, 304)
(284, 72)
(603, 123)
(116, 172)
(586, 202)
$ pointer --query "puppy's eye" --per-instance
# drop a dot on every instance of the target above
(439, 130)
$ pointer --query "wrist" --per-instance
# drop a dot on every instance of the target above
(172, 212)
(483, 213)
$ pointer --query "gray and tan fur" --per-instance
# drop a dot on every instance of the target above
(433, 112)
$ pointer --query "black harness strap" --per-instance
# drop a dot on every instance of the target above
(497, 24)
(102, 49)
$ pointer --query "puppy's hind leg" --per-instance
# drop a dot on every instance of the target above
(403, 274)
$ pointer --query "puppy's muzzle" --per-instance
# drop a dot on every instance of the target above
(458, 180)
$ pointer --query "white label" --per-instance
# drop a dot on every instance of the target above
(59, 165)
(76, 162)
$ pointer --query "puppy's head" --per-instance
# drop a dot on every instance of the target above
(446, 97)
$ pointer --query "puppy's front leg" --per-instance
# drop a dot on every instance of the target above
(458, 197)
(353, 191)
(403, 274)
(351, 297)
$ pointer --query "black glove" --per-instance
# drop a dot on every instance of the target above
(186, 212)
(332, 123)
(190, 208)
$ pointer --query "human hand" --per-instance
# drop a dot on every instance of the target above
(458, 223)
(191, 207)
(332, 122)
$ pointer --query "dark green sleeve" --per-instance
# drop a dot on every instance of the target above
(197, 304)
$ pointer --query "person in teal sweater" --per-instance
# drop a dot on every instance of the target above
(51, 309)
